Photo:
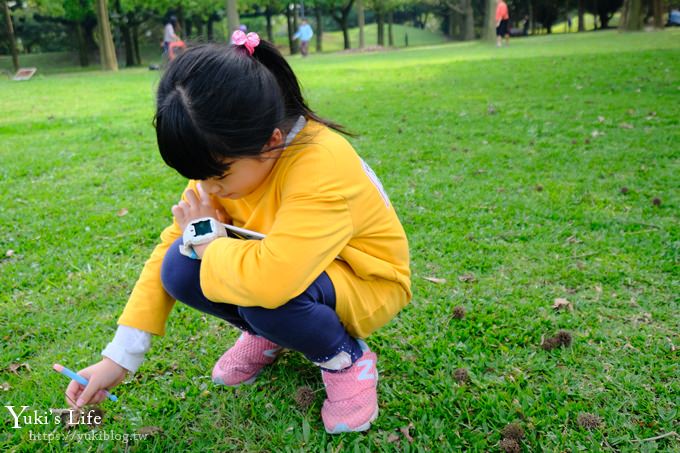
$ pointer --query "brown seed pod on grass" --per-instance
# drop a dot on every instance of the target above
(513, 431)
(561, 340)
(549, 344)
(563, 337)
(459, 312)
(461, 375)
(589, 421)
(510, 446)
(304, 397)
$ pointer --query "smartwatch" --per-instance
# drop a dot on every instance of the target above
(199, 232)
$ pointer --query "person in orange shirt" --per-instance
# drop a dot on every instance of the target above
(502, 20)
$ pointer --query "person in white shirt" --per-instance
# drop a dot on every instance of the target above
(169, 34)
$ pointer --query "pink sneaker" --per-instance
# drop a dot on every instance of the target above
(352, 402)
(244, 361)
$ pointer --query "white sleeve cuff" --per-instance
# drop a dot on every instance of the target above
(128, 347)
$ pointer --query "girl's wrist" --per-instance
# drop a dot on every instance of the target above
(200, 249)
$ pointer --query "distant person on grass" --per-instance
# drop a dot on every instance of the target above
(502, 21)
(333, 267)
(169, 34)
(304, 34)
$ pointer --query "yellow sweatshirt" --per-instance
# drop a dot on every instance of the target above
(319, 202)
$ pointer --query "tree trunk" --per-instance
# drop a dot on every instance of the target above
(135, 43)
(127, 43)
(390, 33)
(631, 19)
(469, 25)
(345, 33)
(361, 19)
(107, 51)
(189, 28)
(83, 58)
(451, 26)
(490, 20)
(658, 13)
(291, 31)
(296, 17)
(581, 14)
(233, 21)
(604, 20)
(211, 29)
(10, 35)
(199, 29)
(270, 31)
(380, 22)
(319, 28)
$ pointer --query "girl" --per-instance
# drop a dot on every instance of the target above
(333, 265)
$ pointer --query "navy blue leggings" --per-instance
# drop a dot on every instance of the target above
(307, 323)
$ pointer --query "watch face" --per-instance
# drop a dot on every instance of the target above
(203, 227)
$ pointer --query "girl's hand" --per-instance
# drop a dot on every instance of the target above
(102, 376)
(196, 207)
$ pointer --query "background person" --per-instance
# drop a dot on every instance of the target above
(502, 20)
(169, 34)
(304, 34)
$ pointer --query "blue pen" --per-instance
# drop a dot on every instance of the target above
(78, 378)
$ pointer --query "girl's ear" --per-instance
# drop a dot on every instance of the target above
(274, 143)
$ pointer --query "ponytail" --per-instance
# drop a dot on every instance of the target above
(271, 58)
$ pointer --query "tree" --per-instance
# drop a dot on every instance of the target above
(339, 10)
(604, 9)
(107, 51)
(78, 15)
(10, 35)
(233, 21)
(546, 12)
(631, 15)
(489, 29)
(457, 9)
(361, 22)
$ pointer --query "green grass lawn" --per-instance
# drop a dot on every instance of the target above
(507, 167)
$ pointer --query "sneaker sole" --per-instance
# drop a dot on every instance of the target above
(344, 428)
(219, 381)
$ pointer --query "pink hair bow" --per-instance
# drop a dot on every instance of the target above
(250, 41)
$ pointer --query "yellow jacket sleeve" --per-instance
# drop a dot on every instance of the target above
(312, 226)
(149, 304)
(309, 232)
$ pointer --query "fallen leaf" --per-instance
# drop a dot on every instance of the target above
(122, 212)
(435, 280)
(5, 386)
(14, 367)
(626, 126)
(467, 278)
(9, 253)
(405, 431)
(596, 133)
(392, 438)
(561, 303)
(600, 119)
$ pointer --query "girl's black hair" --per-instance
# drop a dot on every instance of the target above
(216, 103)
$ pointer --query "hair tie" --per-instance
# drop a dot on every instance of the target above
(250, 41)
